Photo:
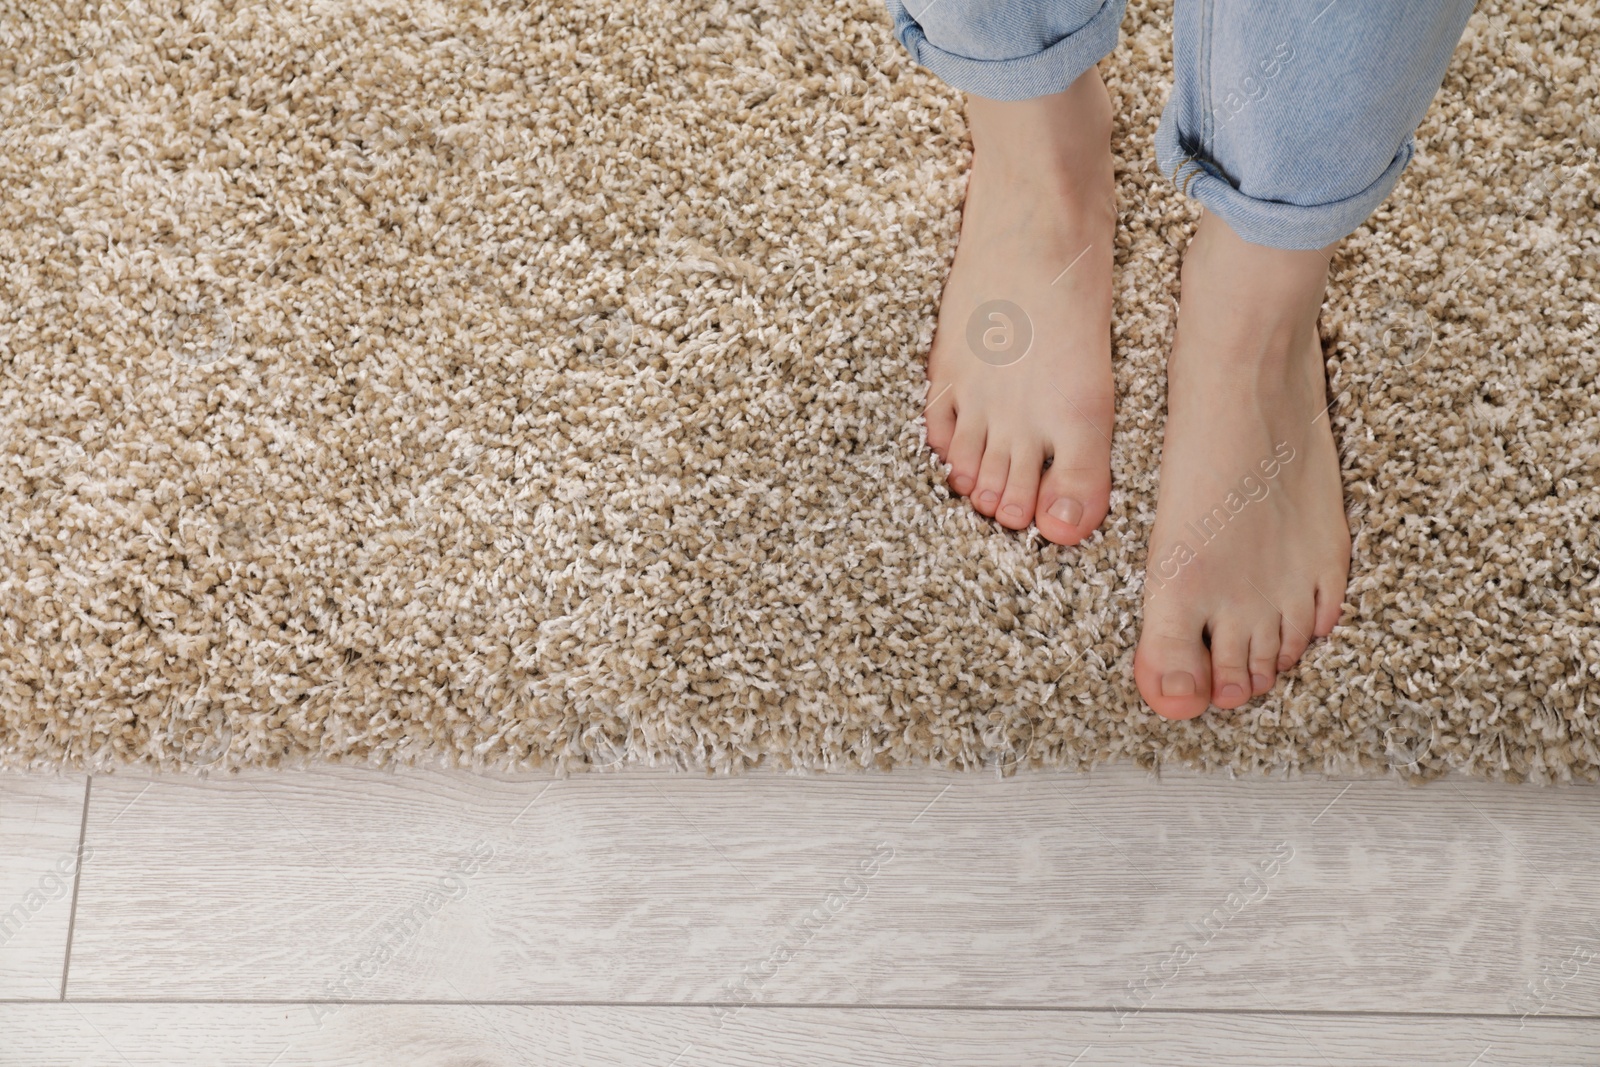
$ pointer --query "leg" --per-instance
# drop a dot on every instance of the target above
(1290, 124)
(1019, 398)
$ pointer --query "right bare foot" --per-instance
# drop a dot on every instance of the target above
(1020, 385)
(1251, 547)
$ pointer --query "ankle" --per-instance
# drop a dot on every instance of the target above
(1065, 135)
(1219, 258)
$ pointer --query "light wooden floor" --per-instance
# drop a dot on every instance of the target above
(353, 917)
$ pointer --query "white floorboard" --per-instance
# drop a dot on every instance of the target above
(1044, 890)
(40, 818)
(136, 1035)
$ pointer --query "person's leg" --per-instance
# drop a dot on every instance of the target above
(1289, 123)
(1019, 377)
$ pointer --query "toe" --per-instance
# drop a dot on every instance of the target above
(1172, 668)
(991, 477)
(1073, 500)
(1295, 633)
(1265, 641)
(1022, 488)
(966, 454)
(1230, 663)
(940, 418)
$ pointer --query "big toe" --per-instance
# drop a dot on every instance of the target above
(1073, 498)
(965, 453)
(1173, 668)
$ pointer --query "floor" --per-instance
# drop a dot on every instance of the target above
(344, 916)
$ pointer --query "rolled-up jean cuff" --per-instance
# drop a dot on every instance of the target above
(1040, 74)
(1274, 223)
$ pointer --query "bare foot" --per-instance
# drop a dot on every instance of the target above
(1250, 550)
(1020, 388)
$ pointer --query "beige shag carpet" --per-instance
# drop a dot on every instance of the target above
(504, 386)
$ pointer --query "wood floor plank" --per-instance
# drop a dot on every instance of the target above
(40, 819)
(291, 1035)
(1112, 890)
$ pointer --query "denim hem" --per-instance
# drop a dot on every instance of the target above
(1049, 71)
(1274, 223)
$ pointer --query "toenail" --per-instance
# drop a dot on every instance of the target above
(1070, 511)
(1232, 692)
(961, 483)
(988, 499)
(1177, 684)
(1261, 681)
(1013, 510)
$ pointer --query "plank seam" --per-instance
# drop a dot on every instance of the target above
(77, 879)
(656, 1005)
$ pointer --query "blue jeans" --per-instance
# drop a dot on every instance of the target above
(1290, 121)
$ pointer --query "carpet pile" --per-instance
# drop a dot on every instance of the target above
(522, 385)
